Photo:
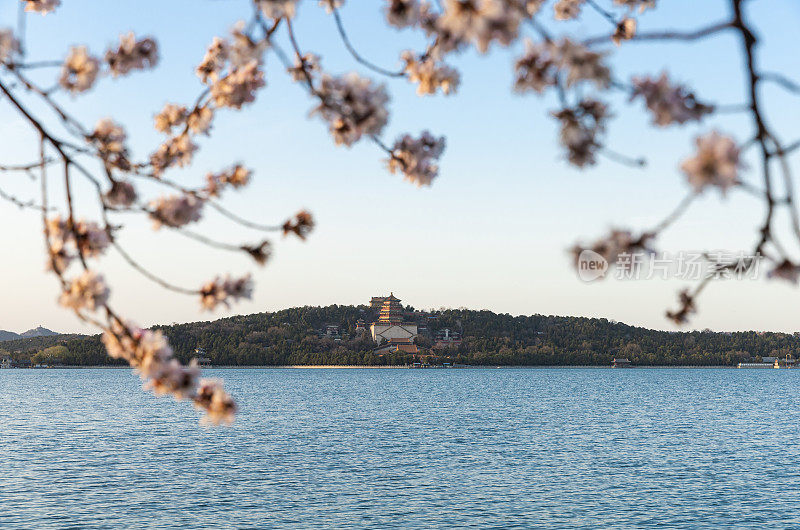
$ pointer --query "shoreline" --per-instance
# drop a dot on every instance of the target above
(397, 367)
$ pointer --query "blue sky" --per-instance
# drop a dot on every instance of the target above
(493, 230)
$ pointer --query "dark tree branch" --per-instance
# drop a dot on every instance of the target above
(356, 55)
(665, 35)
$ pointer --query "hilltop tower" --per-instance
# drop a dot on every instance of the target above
(390, 323)
(391, 311)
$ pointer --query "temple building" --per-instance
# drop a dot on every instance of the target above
(376, 302)
(397, 346)
(390, 323)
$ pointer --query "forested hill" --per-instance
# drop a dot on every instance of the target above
(293, 336)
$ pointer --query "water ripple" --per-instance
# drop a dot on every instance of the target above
(535, 448)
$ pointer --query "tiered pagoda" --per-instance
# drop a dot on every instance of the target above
(391, 311)
(390, 324)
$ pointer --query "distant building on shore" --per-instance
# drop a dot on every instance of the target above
(621, 363)
(202, 357)
(788, 362)
(446, 338)
(398, 346)
(390, 323)
(331, 330)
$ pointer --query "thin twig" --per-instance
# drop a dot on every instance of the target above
(604, 13)
(356, 55)
(31, 204)
(149, 275)
(665, 35)
(623, 159)
(781, 80)
(675, 214)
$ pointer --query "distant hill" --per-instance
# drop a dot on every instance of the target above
(293, 336)
(8, 335)
(38, 331)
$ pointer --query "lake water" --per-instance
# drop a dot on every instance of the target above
(516, 448)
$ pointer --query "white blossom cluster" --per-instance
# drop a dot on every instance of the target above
(69, 240)
(305, 67)
(220, 290)
(462, 22)
(580, 127)
(132, 54)
(429, 74)
(174, 151)
(121, 194)
(175, 210)
(232, 68)
(217, 404)
(237, 177)
(353, 106)
(87, 291)
(109, 139)
(625, 30)
(41, 6)
(568, 9)
(9, 45)
(669, 103)
(417, 158)
(402, 13)
(238, 87)
(331, 5)
(301, 225)
(632, 5)
(150, 354)
(715, 163)
(581, 64)
(276, 9)
(615, 244)
(79, 71)
(197, 121)
(476, 22)
(536, 69)
(539, 67)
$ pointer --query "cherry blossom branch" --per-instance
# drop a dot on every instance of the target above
(354, 107)
(785, 268)
(155, 362)
(762, 133)
(666, 35)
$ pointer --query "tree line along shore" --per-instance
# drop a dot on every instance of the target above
(298, 337)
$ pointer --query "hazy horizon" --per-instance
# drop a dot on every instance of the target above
(366, 303)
